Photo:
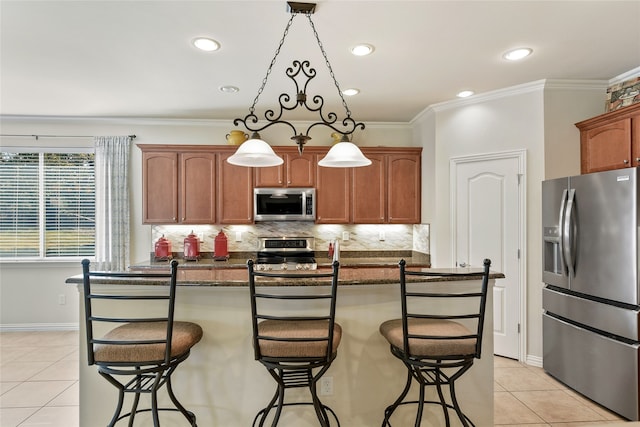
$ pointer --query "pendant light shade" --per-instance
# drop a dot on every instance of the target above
(255, 153)
(344, 155)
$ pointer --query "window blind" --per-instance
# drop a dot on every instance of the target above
(47, 205)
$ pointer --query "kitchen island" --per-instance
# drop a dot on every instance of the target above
(224, 386)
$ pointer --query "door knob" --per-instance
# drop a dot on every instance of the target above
(463, 264)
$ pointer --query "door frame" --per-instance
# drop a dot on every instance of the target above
(521, 156)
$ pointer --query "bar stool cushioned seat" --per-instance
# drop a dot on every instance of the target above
(296, 330)
(185, 335)
(392, 331)
(132, 338)
(431, 340)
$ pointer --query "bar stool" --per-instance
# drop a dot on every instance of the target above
(141, 353)
(296, 347)
(428, 343)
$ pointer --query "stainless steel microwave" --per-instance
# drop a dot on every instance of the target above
(284, 204)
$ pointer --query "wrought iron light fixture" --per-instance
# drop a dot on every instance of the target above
(257, 153)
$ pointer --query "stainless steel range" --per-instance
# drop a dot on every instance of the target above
(286, 253)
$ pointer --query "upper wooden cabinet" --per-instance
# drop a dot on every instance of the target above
(178, 188)
(296, 171)
(196, 185)
(333, 196)
(611, 140)
(235, 192)
(369, 191)
(159, 187)
(404, 188)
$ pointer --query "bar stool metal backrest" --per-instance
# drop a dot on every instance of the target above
(295, 335)
(430, 338)
(128, 332)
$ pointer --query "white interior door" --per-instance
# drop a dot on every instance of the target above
(488, 216)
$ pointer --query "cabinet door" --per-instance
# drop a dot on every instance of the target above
(301, 170)
(403, 189)
(606, 147)
(369, 192)
(235, 192)
(333, 195)
(159, 188)
(270, 177)
(197, 188)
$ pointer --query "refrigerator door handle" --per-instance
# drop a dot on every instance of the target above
(563, 205)
(567, 234)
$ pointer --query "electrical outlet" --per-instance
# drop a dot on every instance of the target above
(345, 236)
(62, 299)
(381, 235)
(238, 236)
(326, 386)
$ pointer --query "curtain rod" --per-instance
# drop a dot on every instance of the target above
(55, 136)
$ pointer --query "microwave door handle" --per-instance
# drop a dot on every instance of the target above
(561, 216)
(568, 234)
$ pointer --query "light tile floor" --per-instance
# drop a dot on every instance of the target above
(39, 387)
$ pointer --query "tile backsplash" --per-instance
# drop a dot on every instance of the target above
(244, 238)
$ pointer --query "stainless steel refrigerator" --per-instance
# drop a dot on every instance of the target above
(591, 295)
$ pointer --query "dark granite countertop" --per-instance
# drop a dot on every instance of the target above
(348, 259)
(235, 277)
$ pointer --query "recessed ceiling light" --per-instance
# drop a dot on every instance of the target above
(362, 49)
(351, 91)
(206, 44)
(229, 89)
(465, 93)
(517, 54)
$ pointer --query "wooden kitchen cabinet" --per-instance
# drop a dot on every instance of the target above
(333, 196)
(235, 192)
(197, 184)
(296, 171)
(610, 140)
(178, 188)
(159, 187)
(369, 191)
(404, 188)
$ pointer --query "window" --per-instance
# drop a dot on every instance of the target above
(47, 205)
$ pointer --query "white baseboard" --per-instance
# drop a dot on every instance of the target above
(24, 327)
(534, 361)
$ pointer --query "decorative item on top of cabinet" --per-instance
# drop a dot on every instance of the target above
(178, 188)
(298, 170)
(610, 140)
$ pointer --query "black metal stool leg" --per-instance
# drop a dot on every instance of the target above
(443, 402)
(190, 416)
(391, 408)
(456, 406)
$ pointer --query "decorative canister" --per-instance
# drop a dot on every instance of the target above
(221, 249)
(191, 247)
(236, 137)
(162, 248)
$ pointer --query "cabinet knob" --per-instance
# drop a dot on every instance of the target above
(625, 161)
(637, 159)
(183, 218)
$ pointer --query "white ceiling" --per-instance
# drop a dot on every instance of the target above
(134, 58)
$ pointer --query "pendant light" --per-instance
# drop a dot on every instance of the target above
(344, 154)
(257, 153)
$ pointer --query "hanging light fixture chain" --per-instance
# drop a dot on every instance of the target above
(326, 60)
(273, 61)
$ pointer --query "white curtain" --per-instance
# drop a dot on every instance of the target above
(112, 202)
